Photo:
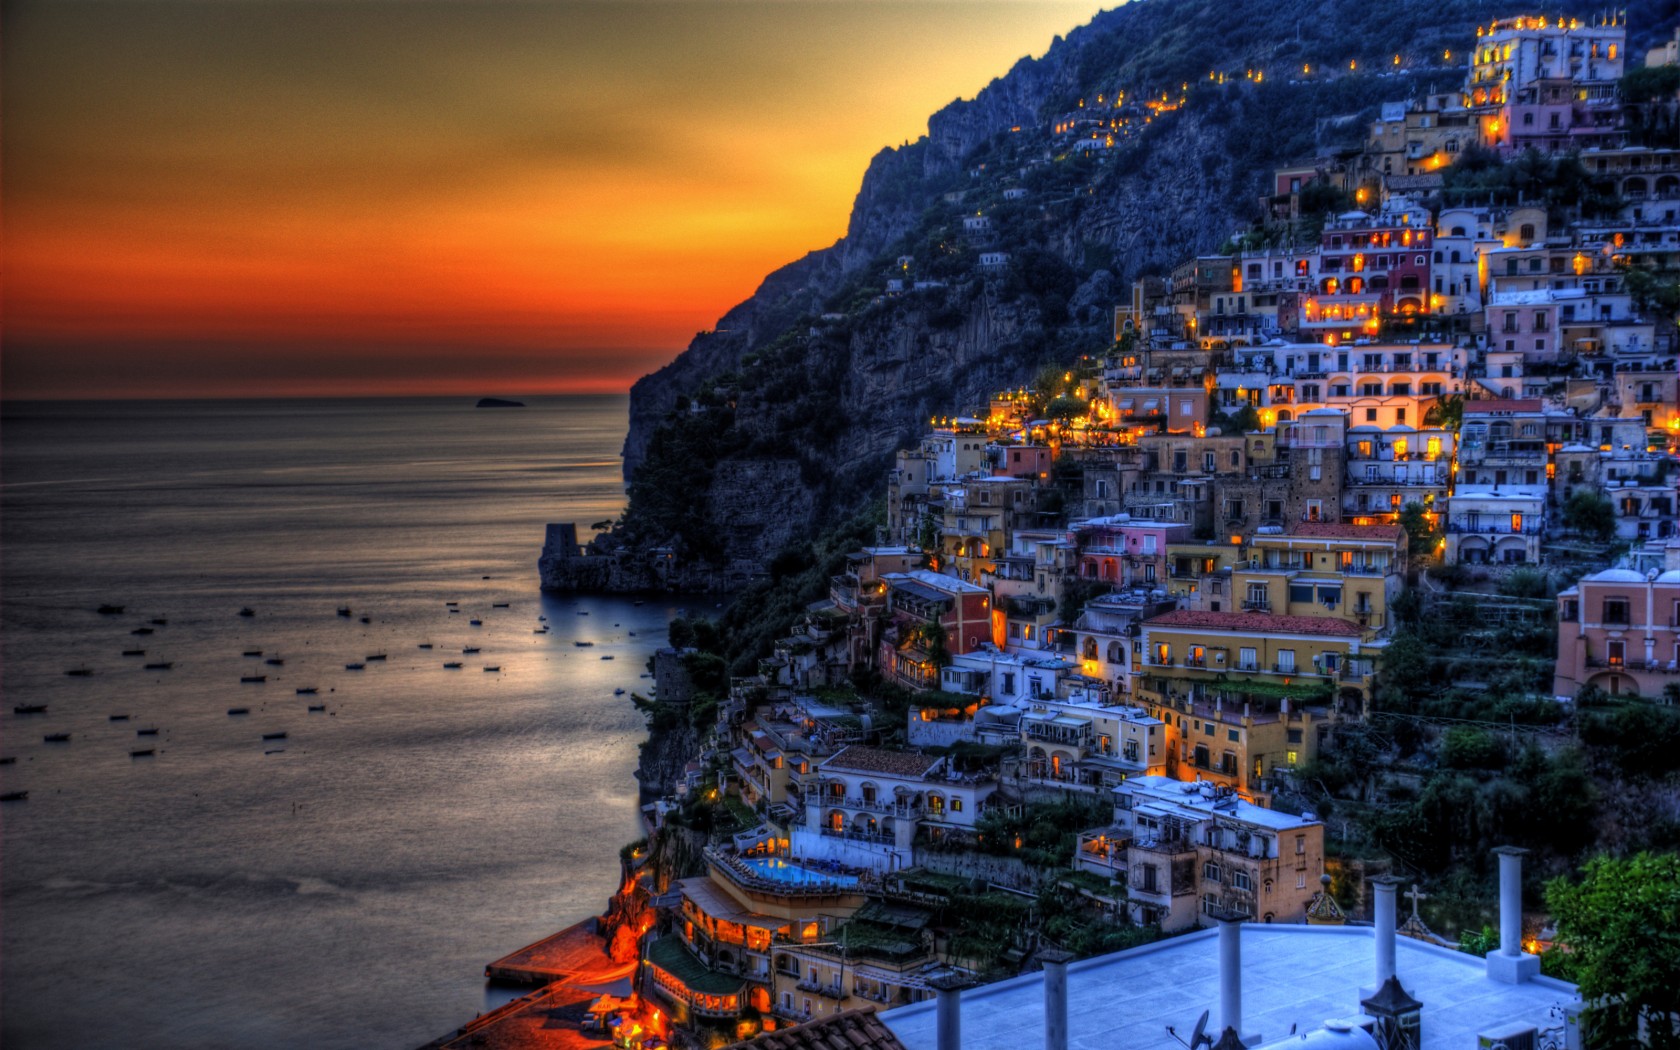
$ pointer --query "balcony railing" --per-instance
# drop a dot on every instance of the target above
(1256, 605)
(874, 837)
(879, 805)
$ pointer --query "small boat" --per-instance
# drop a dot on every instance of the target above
(275, 751)
(365, 619)
(618, 692)
(540, 630)
(632, 634)
(470, 649)
(354, 667)
(475, 623)
(8, 760)
(583, 645)
(452, 603)
(275, 736)
(119, 718)
(582, 613)
(161, 666)
(142, 631)
(542, 619)
(453, 665)
(79, 672)
(375, 656)
(110, 610)
(30, 709)
(15, 796)
(275, 661)
(57, 738)
(134, 652)
(142, 752)
(608, 656)
(344, 611)
(307, 690)
(646, 675)
(499, 605)
(317, 707)
(454, 610)
(253, 678)
(425, 645)
(161, 621)
(495, 668)
(145, 732)
(239, 710)
(247, 612)
(251, 652)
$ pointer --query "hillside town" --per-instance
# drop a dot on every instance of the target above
(1060, 705)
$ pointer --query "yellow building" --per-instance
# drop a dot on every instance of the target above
(1319, 569)
(1243, 694)
(880, 959)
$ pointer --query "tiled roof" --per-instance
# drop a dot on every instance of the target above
(1341, 530)
(1257, 623)
(875, 760)
(1522, 404)
(852, 1030)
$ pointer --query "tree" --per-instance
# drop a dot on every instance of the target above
(1421, 534)
(1616, 927)
(1448, 413)
(1590, 513)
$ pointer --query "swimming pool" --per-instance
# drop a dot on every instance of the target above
(778, 870)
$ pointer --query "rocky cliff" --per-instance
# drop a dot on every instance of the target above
(786, 414)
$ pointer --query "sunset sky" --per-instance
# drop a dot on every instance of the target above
(256, 197)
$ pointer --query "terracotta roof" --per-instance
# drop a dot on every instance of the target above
(852, 1030)
(1520, 404)
(1257, 623)
(1341, 530)
(875, 760)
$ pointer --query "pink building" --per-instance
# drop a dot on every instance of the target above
(919, 597)
(1126, 551)
(1620, 631)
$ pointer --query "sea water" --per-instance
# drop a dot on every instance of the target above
(343, 886)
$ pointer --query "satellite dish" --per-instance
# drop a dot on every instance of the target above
(1199, 1037)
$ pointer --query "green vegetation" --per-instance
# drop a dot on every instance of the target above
(1619, 931)
(1043, 833)
(1481, 176)
(1590, 513)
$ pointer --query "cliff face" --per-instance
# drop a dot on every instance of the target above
(787, 413)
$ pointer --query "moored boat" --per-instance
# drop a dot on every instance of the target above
(30, 709)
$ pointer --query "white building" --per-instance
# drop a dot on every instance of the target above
(865, 805)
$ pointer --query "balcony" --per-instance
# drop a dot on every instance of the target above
(1256, 605)
(851, 835)
(827, 991)
(1502, 529)
(879, 805)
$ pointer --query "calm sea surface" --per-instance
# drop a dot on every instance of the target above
(343, 886)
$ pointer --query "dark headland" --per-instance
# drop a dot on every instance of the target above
(497, 402)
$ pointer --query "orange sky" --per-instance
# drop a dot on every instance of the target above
(276, 197)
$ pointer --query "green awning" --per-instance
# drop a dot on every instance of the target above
(672, 956)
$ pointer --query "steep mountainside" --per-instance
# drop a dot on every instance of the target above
(785, 415)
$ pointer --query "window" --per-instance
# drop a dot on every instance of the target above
(956, 804)
(1300, 845)
(1286, 661)
(1210, 872)
(1240, 880)
(1615, 611)
(1233, 735)
(1246, 659)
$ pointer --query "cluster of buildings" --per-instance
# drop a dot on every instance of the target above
(1167, 601)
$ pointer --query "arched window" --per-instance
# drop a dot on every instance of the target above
(1090, 651)
(1116, 654)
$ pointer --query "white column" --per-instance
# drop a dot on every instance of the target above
(1230, 973)
(1055, 999)
(1510, 900)
(948, 1010)
(1384, 908)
